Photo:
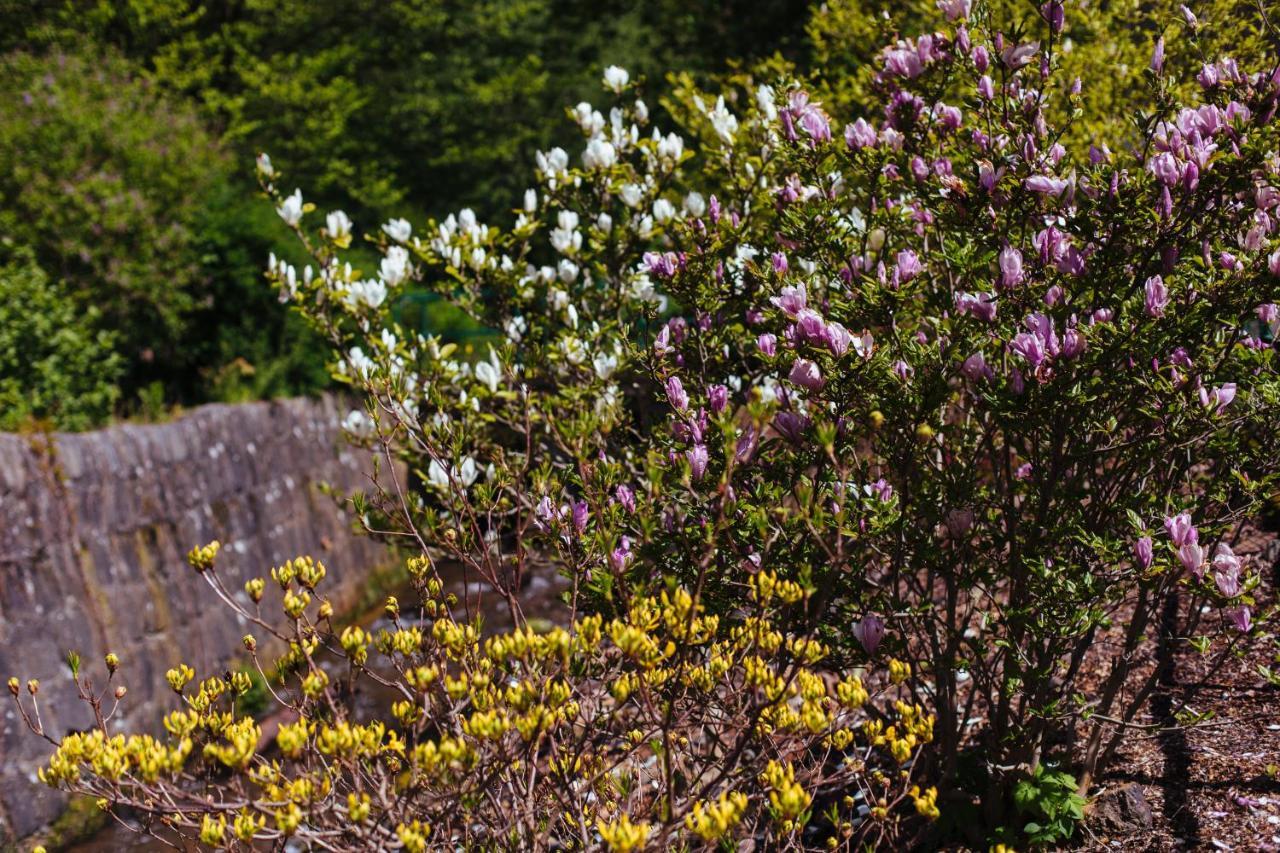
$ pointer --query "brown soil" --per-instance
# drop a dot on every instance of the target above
(1216, 785)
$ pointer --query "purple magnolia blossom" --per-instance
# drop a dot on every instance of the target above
(1016, 56)
(1156, 296)
(1142, 552)
(718, 398)
(1226, 570)
(1191, 555)
(869, 631)
(1046, 185)
(626, 497)
(955, 9)
(792, 300)
(621, 555)
(1239, 618)
(860, 135)
(1054, 14)
(980, 305)
(767, 344)
(791, 425)
(880, 490)
(903, 371)
(807, 116)
(1073, 343)
(1180, 529)
(746, 446)
(779, 261)
(580, 515)
(1218, 398)
(975, 368)
(697, 456)
(908, 265)
(1268, 313)
(1273, 262)
(676, 394)
(662, 264)
(806, 374)
(1010, 267)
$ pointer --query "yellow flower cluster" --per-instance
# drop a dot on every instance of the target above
(470, 707)
(623, 836)
(901, 739)
(114, 758)
(712, 821)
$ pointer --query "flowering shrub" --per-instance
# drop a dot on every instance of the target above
(661, 724)
(991, 409)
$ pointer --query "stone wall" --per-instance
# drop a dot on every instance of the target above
(94, 529)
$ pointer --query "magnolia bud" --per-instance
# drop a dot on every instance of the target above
(33, 687)
(113, 662)
(120, 691)
(14, 685)
(250, 643)
(326, 610)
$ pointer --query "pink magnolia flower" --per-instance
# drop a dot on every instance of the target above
(1046, 185)
(1180, 529)
(1142, 552)
(1226, 570)
(1156, 296)
(697, 456)
(1191, 555)
(806, 374)
(676, 394)
(1239, 618)
(869, 631)
(1010, 267)
(1218, 398)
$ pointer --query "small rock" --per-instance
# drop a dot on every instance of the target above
(1121, 810)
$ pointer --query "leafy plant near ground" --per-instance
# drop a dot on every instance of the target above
(1051, 805)
(988, 407)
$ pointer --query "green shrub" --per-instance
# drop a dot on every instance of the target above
(56, 365)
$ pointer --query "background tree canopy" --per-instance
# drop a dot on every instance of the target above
(128, 129)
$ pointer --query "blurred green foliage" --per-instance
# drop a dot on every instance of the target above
(129, 127)
(56, 366)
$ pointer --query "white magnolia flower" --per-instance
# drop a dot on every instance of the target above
(398, 230)
(616, 79)
(395, 266)
(641, 110)
(591, 121)
(670, 147)
(765, 100)
(359, 362)
(663, 210)
(567, 271)
(631, 195)
(723, 121)
(489, 372)
(530, 201)
(290, 209)
(370, 292)
(571, 313)
(468, 471)
(604, 364)
(515, 329)
(559, 299)
(265, 169)
(694, 204)
(604, 222)
(358, 424)
(599, 154)
(438, 475)
(553, 162)
(566, 242)
(338, 224)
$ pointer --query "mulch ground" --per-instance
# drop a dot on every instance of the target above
(1216, 785)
